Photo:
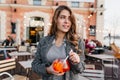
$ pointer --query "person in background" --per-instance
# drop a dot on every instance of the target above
(91, 45)
(98, 43)
(62, 41)
(87, 49)
(8, 41)
(22, 42)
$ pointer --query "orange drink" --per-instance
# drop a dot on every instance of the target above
(61, 65)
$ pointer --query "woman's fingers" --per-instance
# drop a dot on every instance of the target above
(60, 74)
(74, 57)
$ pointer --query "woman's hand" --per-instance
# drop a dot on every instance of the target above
(74, 57)
(50, 70)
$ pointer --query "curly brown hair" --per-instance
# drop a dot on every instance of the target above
(71, 35)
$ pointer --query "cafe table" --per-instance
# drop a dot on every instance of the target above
(27, 66)
(21, 55)
(5, 49)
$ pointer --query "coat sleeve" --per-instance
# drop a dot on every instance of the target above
(79, 68)
(37, 65)
(3, 42)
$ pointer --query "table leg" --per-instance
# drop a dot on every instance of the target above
(27, 72)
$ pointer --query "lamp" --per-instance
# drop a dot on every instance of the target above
(39, 28)
(32, 32)
(91, 14)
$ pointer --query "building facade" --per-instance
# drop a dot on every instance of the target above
(31, 19)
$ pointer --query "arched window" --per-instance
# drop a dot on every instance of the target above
(13, 26)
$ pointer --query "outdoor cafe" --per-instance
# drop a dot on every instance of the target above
(16, 64)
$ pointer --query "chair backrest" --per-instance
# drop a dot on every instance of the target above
(7, 64)
(33, 49)
(22, 48)
(114, 48)
(89, 66)
(8, 74)
(93, 74)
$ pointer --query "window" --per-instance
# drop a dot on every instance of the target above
(2, 1)
(75, 4)
(92, 30)
(38, 19)
(13, 24)
(37, 2)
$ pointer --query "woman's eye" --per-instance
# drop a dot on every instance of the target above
(62, 17)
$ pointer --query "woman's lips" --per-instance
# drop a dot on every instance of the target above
(66, 26)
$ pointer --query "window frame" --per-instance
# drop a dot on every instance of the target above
(75, 4)
(92, 30)
(37, 2)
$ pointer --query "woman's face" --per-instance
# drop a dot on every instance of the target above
(63, 21)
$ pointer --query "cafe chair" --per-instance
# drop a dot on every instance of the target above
(22, 48)
(111, 71)
(7, 65)
(90, 66)
(33, 50)
(93, 74)
(116, 50)
(8, 74)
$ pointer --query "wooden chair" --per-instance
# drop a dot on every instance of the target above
(111, 71)
(22, 48)
(90, 66)
(33, 50)
(93, 74)
(9, 64)
(116, 50)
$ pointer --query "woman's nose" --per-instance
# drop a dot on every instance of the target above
(66, 20)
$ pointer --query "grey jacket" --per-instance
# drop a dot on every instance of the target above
(40, 62)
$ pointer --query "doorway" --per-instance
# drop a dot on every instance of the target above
(35, 31)
(35, 34)
(32, 34)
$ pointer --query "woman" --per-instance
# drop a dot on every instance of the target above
(57, 45)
